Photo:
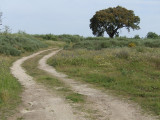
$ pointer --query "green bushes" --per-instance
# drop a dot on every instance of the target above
(70, 38)
(15, 44)
(47, 37)
(152, 35)
(65, 37)
(136, 37)
(116, 43)
(98, 43)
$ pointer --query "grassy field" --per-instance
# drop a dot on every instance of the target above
(13, 46)
(10, 88)
(126, 67)
(78, 101)
(49, 81)
(131, 72)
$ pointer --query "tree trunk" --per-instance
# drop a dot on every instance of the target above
(111, 35)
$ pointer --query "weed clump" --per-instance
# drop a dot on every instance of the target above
(122, 54)
(131, 45)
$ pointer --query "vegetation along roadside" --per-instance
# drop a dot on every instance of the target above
(77, 100)
(132, 72)
(13, 46)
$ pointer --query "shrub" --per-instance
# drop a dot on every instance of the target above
(97, 38)
(140, 49)
(50, 37)
(70, 38)
(131, 45)
(15, 44)
(136, 37)
(152, 44)
(152, 35)
(122, 54)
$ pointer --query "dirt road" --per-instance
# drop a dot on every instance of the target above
(109, 107)
(39, 103)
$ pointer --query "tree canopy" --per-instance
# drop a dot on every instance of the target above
(152, 35)
(112, 19)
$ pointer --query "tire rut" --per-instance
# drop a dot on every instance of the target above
(108, 107)
(38, 102)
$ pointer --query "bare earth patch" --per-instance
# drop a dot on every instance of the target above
(108, 107)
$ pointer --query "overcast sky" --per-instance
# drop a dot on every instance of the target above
(72, 16)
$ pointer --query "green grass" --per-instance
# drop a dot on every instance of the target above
(10, 88)
(75, 97)
(16, 44)
(50, 81)
(131, 72)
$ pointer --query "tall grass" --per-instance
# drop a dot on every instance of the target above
(15, 44)
(132, 72)
(10, 88)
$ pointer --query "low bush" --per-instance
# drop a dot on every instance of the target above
(15, 44)
(152, 35)
(115, 43)
(122, 54)
(153, 43)
(70, 38)
(131, 45)
(136, 37)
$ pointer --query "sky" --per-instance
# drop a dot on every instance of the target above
(73, 16)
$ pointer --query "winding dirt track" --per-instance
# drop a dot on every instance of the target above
(109, 107)
(39, 104)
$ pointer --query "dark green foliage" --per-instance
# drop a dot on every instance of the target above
(137, 37)
(152, 43)
(97, 44)
(96, 38)
(152, 35)
(65, 37)
(47, 37)
(15, 44)
(106, 43)
(70, 38)
(112, 19)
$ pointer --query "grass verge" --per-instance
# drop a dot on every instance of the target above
(10, 88)
(77, 101)
(131, 72)
(49, 81)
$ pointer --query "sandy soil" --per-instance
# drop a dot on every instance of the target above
(38, 102)
(108, 107)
